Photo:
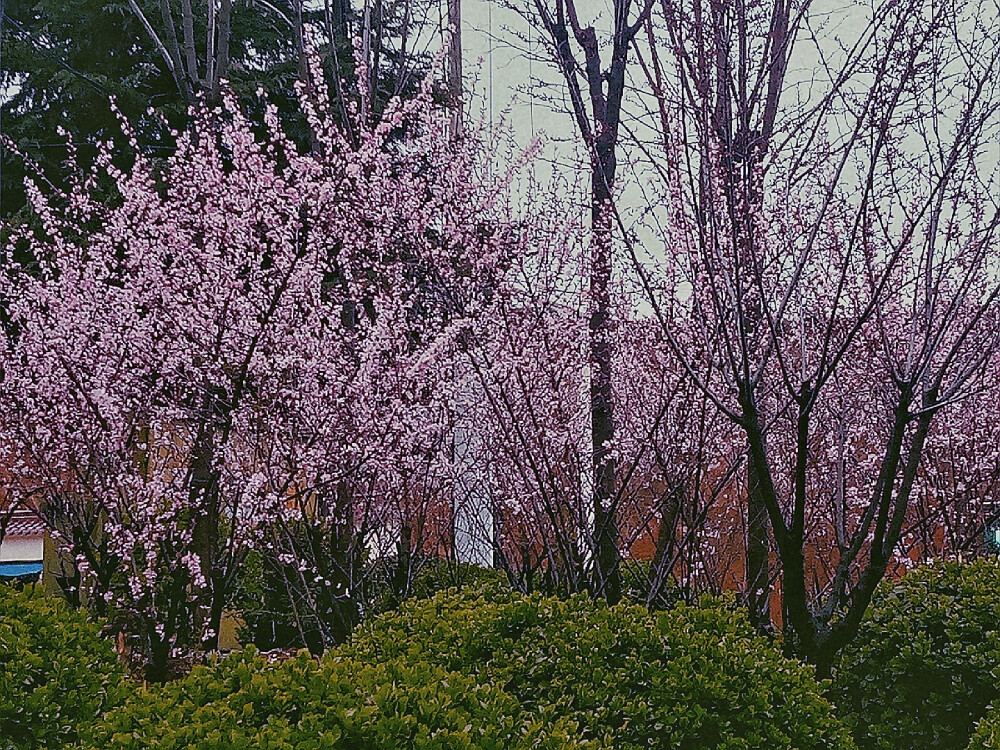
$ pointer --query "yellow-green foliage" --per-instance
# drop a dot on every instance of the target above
(337, 702)
(489, 669)
(987, 735)
(686, 678)
(56, 672)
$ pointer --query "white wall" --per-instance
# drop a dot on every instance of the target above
(22, 549)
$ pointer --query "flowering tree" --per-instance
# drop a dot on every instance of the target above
(524, 416)
(838, 249)
(596, 96)
(245, 352)
(525, 449)
(640, 442)
(320, 358)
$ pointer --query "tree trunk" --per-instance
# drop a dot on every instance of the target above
(670, 507)
(455, 66)
(204, 498)
(343, 615)
(607, 568)
(401, 575)
(758, 554)
(599, 131)
(156, 668)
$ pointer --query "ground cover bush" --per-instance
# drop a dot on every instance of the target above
(336, 702)
(56, 672)
(685, 678)
(926, 664)
(987, 734)
(477, 668)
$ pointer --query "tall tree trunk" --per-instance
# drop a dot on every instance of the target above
(455, 66)
(605, 89)
(204, 496)
(758, 555)
(607, 568)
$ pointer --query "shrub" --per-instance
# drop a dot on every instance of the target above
(987, 735)
(243, 702)
(430, 577)
(56, 672)
(499, 670)
(924, 666)
(686, 678)
(439, 575)
(266, 609)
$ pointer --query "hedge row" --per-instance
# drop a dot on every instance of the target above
(686, 678)
(926, 665)
(489, 668)
(56, 672)
(499, 670)
(243, 702)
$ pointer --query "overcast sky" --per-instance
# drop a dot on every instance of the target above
(501, 38)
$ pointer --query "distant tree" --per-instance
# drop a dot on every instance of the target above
(62, 61)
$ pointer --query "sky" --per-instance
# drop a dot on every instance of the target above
(508, 73)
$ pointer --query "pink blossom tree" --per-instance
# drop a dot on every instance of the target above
(246, 350)
(526, 432)
(839, 244)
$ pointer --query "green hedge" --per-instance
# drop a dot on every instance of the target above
(243, 702)
(493, 669)
(56, 672)
(482, 669)
(926, 663)
(987, 735)
(686, 678)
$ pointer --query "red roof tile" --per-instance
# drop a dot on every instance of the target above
(25, 523)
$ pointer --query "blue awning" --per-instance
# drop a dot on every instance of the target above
(18, 569)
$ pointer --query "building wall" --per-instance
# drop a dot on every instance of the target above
(22, 549)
